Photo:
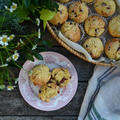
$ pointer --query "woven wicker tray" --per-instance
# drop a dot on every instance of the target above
(70, 49)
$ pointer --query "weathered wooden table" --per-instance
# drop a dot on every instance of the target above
(13, 106)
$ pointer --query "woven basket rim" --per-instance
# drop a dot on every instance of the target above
(54, 35)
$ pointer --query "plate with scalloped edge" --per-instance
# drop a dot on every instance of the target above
(30, 95)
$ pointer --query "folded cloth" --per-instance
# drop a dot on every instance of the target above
(102, 98)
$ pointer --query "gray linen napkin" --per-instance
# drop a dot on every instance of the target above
(102, 98)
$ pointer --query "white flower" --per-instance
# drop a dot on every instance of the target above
(34, 47)
(4, 40)
(11, 37)
(15, 56)
(11, 10)
(21, 41)
(8, 59)
(3, 65)
(6, 7)
(2, 87)
(16, 80)
(12, 7)
(9, 87)
(38, 21)
(18, 43)
(39, 34)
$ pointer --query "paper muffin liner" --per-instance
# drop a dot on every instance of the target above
(70, 2)
(66, 2)
(90, 3)
(82, 33)
(103, 40)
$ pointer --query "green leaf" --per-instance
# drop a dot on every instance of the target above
(26, 3)
(21, 14)
(35, 2)
(38, 56)
(30, 57)
(48, 4)
(46, 14)
(2, 19)
(40, 48)
(32, 9)
(47, 43)
(44, 24)
(2, 87)
(11, 64)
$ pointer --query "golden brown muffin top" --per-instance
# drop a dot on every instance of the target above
(40, 75)
(112, 48)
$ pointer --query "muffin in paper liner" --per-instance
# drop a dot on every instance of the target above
(103, 40)
(82, 32)
(104, 19)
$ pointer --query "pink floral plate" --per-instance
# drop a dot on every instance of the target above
(52, 59)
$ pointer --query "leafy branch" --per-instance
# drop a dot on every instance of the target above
(21, 33)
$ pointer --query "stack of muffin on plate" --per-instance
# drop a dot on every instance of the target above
(49, 82)
(94, 25)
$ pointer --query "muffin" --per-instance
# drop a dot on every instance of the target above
(94, 26)
(87, 1)
(40, 75)
(63, 1)
(60, 76)
(112, 49)
(78, 12)
(71, 30)
(48, 91)
(61, 16)
(114, 26)
(94, 46)
(105, 7)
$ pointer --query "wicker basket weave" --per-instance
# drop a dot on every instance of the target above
(72, 50)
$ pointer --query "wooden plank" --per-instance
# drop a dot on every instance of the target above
(37, 118)
(49, 37)
(12, 103)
